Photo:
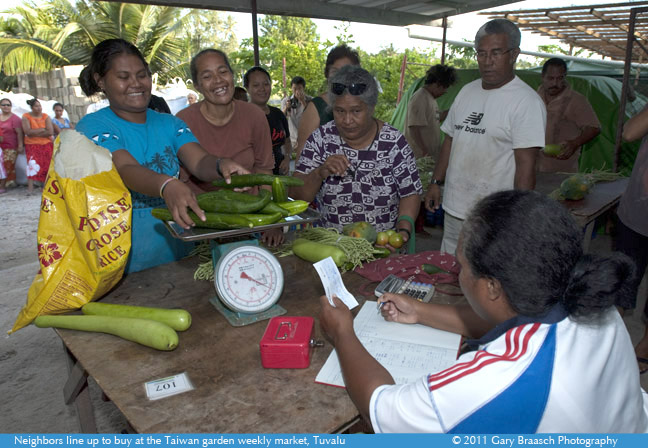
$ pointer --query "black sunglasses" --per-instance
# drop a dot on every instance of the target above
(5, 104)
(354, 89)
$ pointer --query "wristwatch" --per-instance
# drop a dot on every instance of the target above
(436, 182)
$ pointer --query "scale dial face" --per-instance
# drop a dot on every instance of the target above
(249, 279)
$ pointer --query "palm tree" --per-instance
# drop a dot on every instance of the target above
(24, 43)
(39, 38)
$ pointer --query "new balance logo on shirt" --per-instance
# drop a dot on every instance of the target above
(473, 119)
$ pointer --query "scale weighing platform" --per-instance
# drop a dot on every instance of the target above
(248, 278)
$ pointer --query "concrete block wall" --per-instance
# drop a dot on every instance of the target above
(60, 84)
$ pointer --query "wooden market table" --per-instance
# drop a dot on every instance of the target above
(602, 197)
(232, 392)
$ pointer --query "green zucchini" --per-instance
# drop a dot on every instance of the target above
(431, 269)
(262, 219)
(381, 252)
(312, 251)
(272, 207)
(143, 331)
(294, 207)
(178, 319)
(227, 201)
(252, 180)
(221, 221)
(279, 191)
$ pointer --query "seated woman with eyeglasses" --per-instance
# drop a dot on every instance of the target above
(356, 166)
(550, 352)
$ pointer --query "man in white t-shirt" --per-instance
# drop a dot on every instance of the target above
(423, 119)
(494, 130)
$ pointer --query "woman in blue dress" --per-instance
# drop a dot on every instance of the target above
(147, 149)
(59, 122)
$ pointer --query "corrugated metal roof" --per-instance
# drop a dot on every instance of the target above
(599, 28)
(384, 12)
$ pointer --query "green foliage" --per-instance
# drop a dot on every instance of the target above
(461, 57)
(59, 32)
(292, 38)
(386, 67)
(344, 35)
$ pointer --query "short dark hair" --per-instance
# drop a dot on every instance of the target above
(193, 65)
(32, 101)
(556, 62)
(6, 99)
(441, 74)
(500, 26)
(240, 94)
(256, 68)
(102, 56)
(57, 104)
(531, 244)
(298, 80)
(340, 52)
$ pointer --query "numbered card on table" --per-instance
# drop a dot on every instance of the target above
(166, 387)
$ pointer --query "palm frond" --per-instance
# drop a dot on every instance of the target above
(25, 55)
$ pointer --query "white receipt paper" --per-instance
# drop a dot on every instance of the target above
(407, 351)
(332, 281)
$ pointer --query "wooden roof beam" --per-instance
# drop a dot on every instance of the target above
(622, 27)
(573, 8)
(585, 30)
(555, 35)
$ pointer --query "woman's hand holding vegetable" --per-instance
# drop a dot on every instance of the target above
(399, 308)
(208, 167)
(229, 167)
(336, 322)
(179, 197)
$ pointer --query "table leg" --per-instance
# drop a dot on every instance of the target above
(76, 391)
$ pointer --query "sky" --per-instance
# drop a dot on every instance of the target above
(372, 38)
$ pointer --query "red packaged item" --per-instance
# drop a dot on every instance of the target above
(286, 343)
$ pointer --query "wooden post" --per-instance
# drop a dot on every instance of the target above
(402, 78)
(624, 90)
(283, 73)
(443, 44)
(255, 32)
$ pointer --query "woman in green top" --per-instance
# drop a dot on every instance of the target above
(318, 112)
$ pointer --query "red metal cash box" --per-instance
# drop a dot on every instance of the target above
(286, 343)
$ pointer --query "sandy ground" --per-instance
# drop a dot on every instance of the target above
(32, 364)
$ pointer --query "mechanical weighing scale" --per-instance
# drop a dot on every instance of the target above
(248, 278)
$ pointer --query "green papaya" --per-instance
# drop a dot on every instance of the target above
(576, 187)
(361, 229)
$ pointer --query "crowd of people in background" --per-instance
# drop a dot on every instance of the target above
(33, 135)
(486, 148)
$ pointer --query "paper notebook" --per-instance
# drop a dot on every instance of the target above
(408, 352)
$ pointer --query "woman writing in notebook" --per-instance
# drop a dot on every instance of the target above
(549, 349)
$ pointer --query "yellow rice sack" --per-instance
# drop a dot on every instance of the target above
(84, 230)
